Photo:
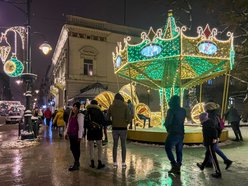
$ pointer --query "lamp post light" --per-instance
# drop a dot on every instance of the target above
(15, 68)
(19, 81)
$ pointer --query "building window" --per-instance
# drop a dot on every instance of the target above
(88, 67)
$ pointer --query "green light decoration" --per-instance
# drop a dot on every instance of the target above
(13, 67)
(169, 61)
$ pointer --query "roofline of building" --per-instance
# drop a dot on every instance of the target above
(91, 24)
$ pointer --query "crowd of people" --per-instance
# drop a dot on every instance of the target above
(91, 123)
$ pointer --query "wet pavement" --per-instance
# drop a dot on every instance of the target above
(47, 164)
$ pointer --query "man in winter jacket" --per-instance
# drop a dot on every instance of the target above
(120, 116)
(174, 124)
(233, 117)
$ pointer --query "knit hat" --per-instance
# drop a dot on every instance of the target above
(211, 106)
(203, 117)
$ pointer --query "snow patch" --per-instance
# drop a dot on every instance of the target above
(19, 144)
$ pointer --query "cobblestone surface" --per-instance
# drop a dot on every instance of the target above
(47, 163)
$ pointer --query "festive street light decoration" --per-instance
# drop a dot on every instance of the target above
(13, 67)
(5, 48)
(169, 61)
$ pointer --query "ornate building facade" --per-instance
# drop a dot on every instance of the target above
(83, 56)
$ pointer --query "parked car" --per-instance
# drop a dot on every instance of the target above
(13, 117)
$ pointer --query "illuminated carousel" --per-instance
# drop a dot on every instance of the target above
(171, 62)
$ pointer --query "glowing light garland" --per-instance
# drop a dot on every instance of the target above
(170, 61)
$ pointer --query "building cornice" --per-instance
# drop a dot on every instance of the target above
(103, 26)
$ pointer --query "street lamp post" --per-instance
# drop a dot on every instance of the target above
(14, 67)
(28, 77)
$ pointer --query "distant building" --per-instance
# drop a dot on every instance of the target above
(83, 56)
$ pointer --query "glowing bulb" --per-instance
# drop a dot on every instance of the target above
(45, 48)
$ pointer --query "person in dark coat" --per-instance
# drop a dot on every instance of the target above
(94, 131)
(233, 117)
(213, 109)
(210, 137)
(174, 124)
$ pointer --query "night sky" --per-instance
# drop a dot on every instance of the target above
(48, 17)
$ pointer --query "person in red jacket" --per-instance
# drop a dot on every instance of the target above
(48, 116)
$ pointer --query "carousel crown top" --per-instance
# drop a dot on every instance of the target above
(167, 58)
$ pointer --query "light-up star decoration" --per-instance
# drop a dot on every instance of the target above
(169, 61)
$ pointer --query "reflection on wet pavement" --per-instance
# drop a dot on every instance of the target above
(47, 163)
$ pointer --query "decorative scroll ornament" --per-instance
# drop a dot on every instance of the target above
(5, 48)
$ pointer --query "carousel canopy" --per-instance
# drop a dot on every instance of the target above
(169, 59)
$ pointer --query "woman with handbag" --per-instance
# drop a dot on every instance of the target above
(93, 124)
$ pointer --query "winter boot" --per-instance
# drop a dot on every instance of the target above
(74, 167)
(92, 164)
(200, 166)
(216, 175)
(175, 169)
(100, 165)
(228, 163)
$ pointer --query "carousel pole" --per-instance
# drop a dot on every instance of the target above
(200, 99)
(130, 82)
(223, 97)
(227, 91)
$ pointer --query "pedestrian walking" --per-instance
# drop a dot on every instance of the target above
(233, 118)
(53, 119)
(213, 109)
(74, 132)
(94, 120)
(174, 124)
(120, 116)
(67, 114)
(131, 110)
(59, 121)
(48, 116)
(210, 137)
